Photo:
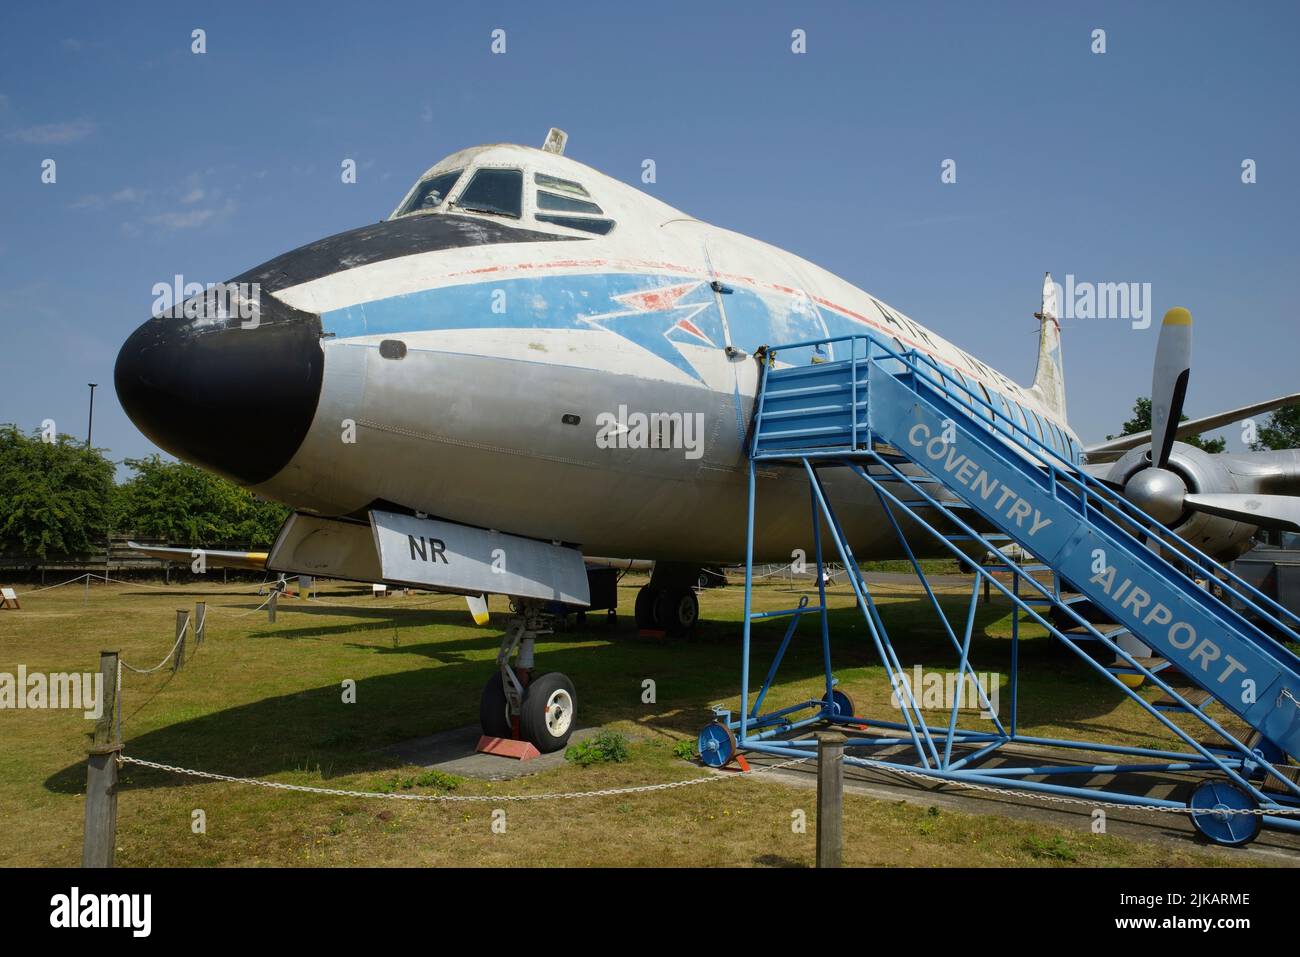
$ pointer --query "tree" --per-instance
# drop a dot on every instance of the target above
(56, 498)
(1281, 432)
(1141, 422)
(184, 505)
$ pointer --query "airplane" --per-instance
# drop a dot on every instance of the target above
(529, 361)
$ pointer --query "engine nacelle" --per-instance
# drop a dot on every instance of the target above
(1158, 495)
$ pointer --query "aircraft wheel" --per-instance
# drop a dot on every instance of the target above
(549, 712)
(494, 709)
(1213, 804)
(677, 611)
(645, 607)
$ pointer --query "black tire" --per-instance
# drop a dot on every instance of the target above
(645, 607)
(548, 728)
(677, 610)
(494, 709)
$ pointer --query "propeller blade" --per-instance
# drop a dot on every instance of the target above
(478, 608)
(1173, 366)
(1269, 511)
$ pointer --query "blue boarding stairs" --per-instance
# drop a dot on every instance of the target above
(972, 477)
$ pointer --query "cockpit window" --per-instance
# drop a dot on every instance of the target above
(566, 204)
(561, 195)
(497, 191)
(562, 185)
(431, 193)
(598, 226)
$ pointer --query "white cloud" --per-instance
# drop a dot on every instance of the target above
(190, 218)
(54, 134)
(127, 194)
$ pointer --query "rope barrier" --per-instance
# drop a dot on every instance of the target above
(59, 585)
(451, 798)
(672, 785)
(166, 658)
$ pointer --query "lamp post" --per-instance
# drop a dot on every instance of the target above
(90, 424)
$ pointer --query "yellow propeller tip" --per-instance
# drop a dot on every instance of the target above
(1178, 316)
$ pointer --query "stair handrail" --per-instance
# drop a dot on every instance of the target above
(1089, 488)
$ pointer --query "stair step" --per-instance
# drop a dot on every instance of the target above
(774, 415)
(1289, 771)
(1194, 696)
(1152, 664)
(1108, 630)
(817, 370)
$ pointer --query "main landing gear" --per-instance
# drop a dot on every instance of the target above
(518, 704)
(668, 603)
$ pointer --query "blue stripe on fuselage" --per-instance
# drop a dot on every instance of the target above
(589, 302)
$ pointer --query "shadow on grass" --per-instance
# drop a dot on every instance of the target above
(311, 729)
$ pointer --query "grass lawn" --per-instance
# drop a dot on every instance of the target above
(265, 701)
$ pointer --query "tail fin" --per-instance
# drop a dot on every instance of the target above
(1049, 377)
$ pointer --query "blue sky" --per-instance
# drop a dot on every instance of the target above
(1120, 167)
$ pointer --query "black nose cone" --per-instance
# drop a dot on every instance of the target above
(228, 383)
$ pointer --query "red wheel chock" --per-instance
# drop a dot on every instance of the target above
(507, 748)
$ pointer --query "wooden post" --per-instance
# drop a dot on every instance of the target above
(100, 835)
(200, 621)
(830, 798)
(270, 606)
(182, 620)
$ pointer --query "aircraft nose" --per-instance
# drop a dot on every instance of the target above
(234, 395)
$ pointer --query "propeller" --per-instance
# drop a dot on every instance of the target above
(1272, 511)
(1169, 379)
(1160, 491)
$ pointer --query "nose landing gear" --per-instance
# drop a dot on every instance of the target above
(518, 705)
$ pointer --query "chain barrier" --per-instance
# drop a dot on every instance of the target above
(1062, 799)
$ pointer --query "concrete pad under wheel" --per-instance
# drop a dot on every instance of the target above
(453, 752)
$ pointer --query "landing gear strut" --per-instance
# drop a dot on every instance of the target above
(516, 703)
(668, 602)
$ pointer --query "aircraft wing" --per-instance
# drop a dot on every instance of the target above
(254, 561)
(1112, 449)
